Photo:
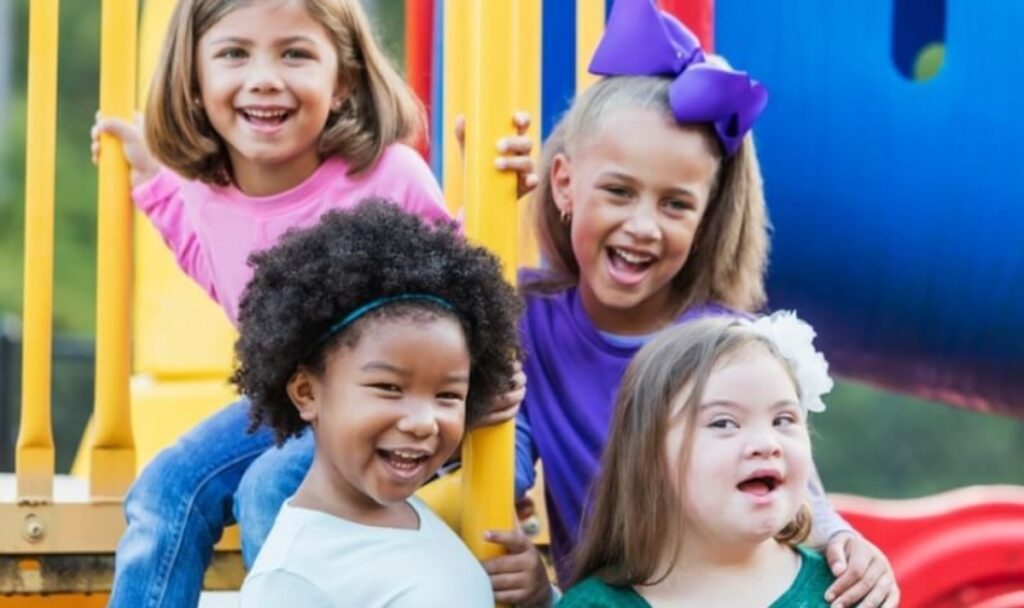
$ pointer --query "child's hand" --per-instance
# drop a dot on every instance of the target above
(863, 574)
(506, 405)
(513, 152)
(143, 166)
(515, 155)
(518, 578)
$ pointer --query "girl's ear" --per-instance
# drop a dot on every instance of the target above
(561, 183)
(302, 390)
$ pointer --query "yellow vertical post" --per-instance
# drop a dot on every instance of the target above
(494, 94)
(35, 459)
(456, 90)
(528, 79)
(589, 28)
(156, 14)
(113, 453)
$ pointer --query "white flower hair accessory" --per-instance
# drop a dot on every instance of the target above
(794, 340)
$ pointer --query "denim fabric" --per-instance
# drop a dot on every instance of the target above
(270, 480)
(178, 508)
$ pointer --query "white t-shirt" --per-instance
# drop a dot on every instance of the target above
(314, 559)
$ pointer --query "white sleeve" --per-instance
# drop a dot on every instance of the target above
(280, 588)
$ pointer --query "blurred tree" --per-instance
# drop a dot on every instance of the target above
(75, 230)
(880, 444)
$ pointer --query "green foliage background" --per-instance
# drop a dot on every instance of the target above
(868, 442)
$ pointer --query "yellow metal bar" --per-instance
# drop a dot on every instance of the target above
(34, 458)
(113, 452)
(444, 495)
(589, 28)
(68, 527)
(528, 79)
(73, 600)
(456, 92)
(56, 575)
(488, 455)
(156, 15)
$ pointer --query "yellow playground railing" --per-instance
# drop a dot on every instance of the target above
(57, 549)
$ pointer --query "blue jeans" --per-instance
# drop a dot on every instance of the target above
(182, 501)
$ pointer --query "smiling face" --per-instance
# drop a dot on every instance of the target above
(750, 453)
(268, 76)
(636, 190)
(388, 411)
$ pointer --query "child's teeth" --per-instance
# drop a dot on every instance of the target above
(632, 258)
(266, 113)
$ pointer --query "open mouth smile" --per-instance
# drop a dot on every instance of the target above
(404, 463)
(628, 266)
(265, 117)
(761, 483)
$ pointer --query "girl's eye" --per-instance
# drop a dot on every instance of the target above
(785, 420)
(232, 53)
(618, 191)
(386, 387)
(451, 396)
(678, 205)
(724, 423)
(297, 54)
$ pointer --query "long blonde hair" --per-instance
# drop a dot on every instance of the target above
(380, 109)
(634, 522)
(727, 262)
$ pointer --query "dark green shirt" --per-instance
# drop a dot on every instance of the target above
(807, 590)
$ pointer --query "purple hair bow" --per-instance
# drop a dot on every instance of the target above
(640, 40)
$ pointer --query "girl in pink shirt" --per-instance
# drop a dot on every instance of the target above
(262, 116)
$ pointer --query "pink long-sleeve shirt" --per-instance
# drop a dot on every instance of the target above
(212, 230)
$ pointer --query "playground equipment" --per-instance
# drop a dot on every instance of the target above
(896, 319)
(897, 221)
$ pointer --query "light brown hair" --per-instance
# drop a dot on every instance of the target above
(634, 523)
(379, 108)
(727, 262)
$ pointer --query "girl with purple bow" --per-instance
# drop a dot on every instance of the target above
(650, 213)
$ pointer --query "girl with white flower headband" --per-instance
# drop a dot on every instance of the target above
(702, 498)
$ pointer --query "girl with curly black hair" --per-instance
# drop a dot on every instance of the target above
(387, 337)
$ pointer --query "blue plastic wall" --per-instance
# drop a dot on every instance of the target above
(898, 206)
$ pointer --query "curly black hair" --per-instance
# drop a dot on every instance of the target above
(314, 277)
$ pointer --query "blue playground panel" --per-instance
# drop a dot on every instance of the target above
(898, 206)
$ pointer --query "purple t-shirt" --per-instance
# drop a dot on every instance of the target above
(574, 373)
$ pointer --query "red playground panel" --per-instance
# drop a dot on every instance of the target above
(957, 549)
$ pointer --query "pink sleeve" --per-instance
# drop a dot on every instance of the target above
(423, 196)
(161, 200)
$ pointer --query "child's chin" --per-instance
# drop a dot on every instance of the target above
(760, 531)
(386, 499)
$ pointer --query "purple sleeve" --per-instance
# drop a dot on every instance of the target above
(526, 457)
(161, 200)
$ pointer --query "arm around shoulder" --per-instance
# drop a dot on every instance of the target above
(278, 588)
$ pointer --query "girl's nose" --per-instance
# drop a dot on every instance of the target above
(642, 223)
(419, 420)
(263, 77)
(763, 444)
